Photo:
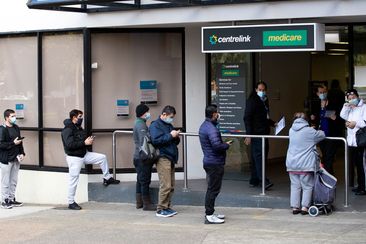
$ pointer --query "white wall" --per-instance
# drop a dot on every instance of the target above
(195, 99)
(15, 15)
(43, 187)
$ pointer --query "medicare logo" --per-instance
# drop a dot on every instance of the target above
(214, 39)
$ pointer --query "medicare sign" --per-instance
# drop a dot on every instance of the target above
(263, 38)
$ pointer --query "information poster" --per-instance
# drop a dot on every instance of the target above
(19, 111)
(228, 93)
(123, 108)
(149, 91)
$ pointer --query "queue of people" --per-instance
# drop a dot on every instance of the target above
(302, 158)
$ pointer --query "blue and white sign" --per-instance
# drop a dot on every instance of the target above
(149, 91)
(19, 111)
(123, 108)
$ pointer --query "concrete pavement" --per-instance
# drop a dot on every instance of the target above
(122, 223)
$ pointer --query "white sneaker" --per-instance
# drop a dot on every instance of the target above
(220, 216)
(213, 219)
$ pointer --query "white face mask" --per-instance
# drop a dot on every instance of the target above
(218, 116)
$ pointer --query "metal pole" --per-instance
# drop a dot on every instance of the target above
(263, 166)
(185, 187)
(114, 154)
(346, 183)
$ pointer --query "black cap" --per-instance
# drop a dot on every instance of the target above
(141, 109)
(351, 92)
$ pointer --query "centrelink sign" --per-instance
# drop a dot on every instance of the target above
(263, 38)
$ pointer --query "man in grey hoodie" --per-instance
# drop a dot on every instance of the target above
(302, 160)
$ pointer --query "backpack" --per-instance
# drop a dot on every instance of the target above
(148, 153)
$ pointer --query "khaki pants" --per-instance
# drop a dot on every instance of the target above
(166, 173)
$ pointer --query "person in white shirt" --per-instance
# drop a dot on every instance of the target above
(354, 113)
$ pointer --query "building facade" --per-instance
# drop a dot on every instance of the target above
(54, 61)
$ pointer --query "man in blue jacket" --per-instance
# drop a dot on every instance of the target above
(166, 139)
(214, 151)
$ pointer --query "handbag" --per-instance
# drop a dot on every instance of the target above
(361, 137)
(148, 153)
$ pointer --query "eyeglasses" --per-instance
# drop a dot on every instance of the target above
(350, 93)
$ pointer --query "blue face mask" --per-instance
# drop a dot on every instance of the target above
(147, 116)
(262, 95)
(354, 101)
(13, 120)
(168, 120)
(323, 96)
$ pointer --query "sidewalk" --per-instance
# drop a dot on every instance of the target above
(122, 223)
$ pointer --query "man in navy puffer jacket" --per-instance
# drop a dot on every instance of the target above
(214, 151)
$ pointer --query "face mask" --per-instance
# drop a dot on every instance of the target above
(261, 94)
(323, 96)
(354, 101)
(218, 116)
(168, 120)
(80, 121)
(147, 116)
(13, 120)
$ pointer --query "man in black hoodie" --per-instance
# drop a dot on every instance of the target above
(11, 154)
(257, 122)
(76, 144)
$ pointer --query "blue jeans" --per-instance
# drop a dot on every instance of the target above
(143, 179)
(256, 160)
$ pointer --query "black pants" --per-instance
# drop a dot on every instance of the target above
(356, 159)
(329, 149)
(143, 180)
(214, 180)
(256, 160)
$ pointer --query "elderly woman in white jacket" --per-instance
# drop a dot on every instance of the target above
(354, 113)
(301, 162)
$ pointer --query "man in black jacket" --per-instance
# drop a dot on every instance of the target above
(75, 143)
(326, 117)
(257, 122)
(11, 154)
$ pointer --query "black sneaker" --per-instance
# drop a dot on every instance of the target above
(74, 206)
(6, 204)
(15, 203)
(110, 181)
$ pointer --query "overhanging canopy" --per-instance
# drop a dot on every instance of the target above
(90, 6)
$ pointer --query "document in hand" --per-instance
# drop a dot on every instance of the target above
(280, 125)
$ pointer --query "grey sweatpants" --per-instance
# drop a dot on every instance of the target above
(9, 179)
(75, 164)
(301, 183)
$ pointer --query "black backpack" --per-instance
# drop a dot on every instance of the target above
(148, 153)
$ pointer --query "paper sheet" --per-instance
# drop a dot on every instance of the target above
(280, 125)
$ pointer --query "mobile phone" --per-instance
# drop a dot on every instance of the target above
(229, 141)
(21, 138)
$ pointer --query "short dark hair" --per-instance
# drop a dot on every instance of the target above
(261, 83)
(8, 112)
(169, 110)
(75, 113)
(210, 110)
(351, 92)
(322, 86)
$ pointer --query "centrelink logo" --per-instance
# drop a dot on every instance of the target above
(214, 39)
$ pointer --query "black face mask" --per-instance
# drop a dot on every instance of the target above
(80, 121)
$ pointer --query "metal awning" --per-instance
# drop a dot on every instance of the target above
(91, 6)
